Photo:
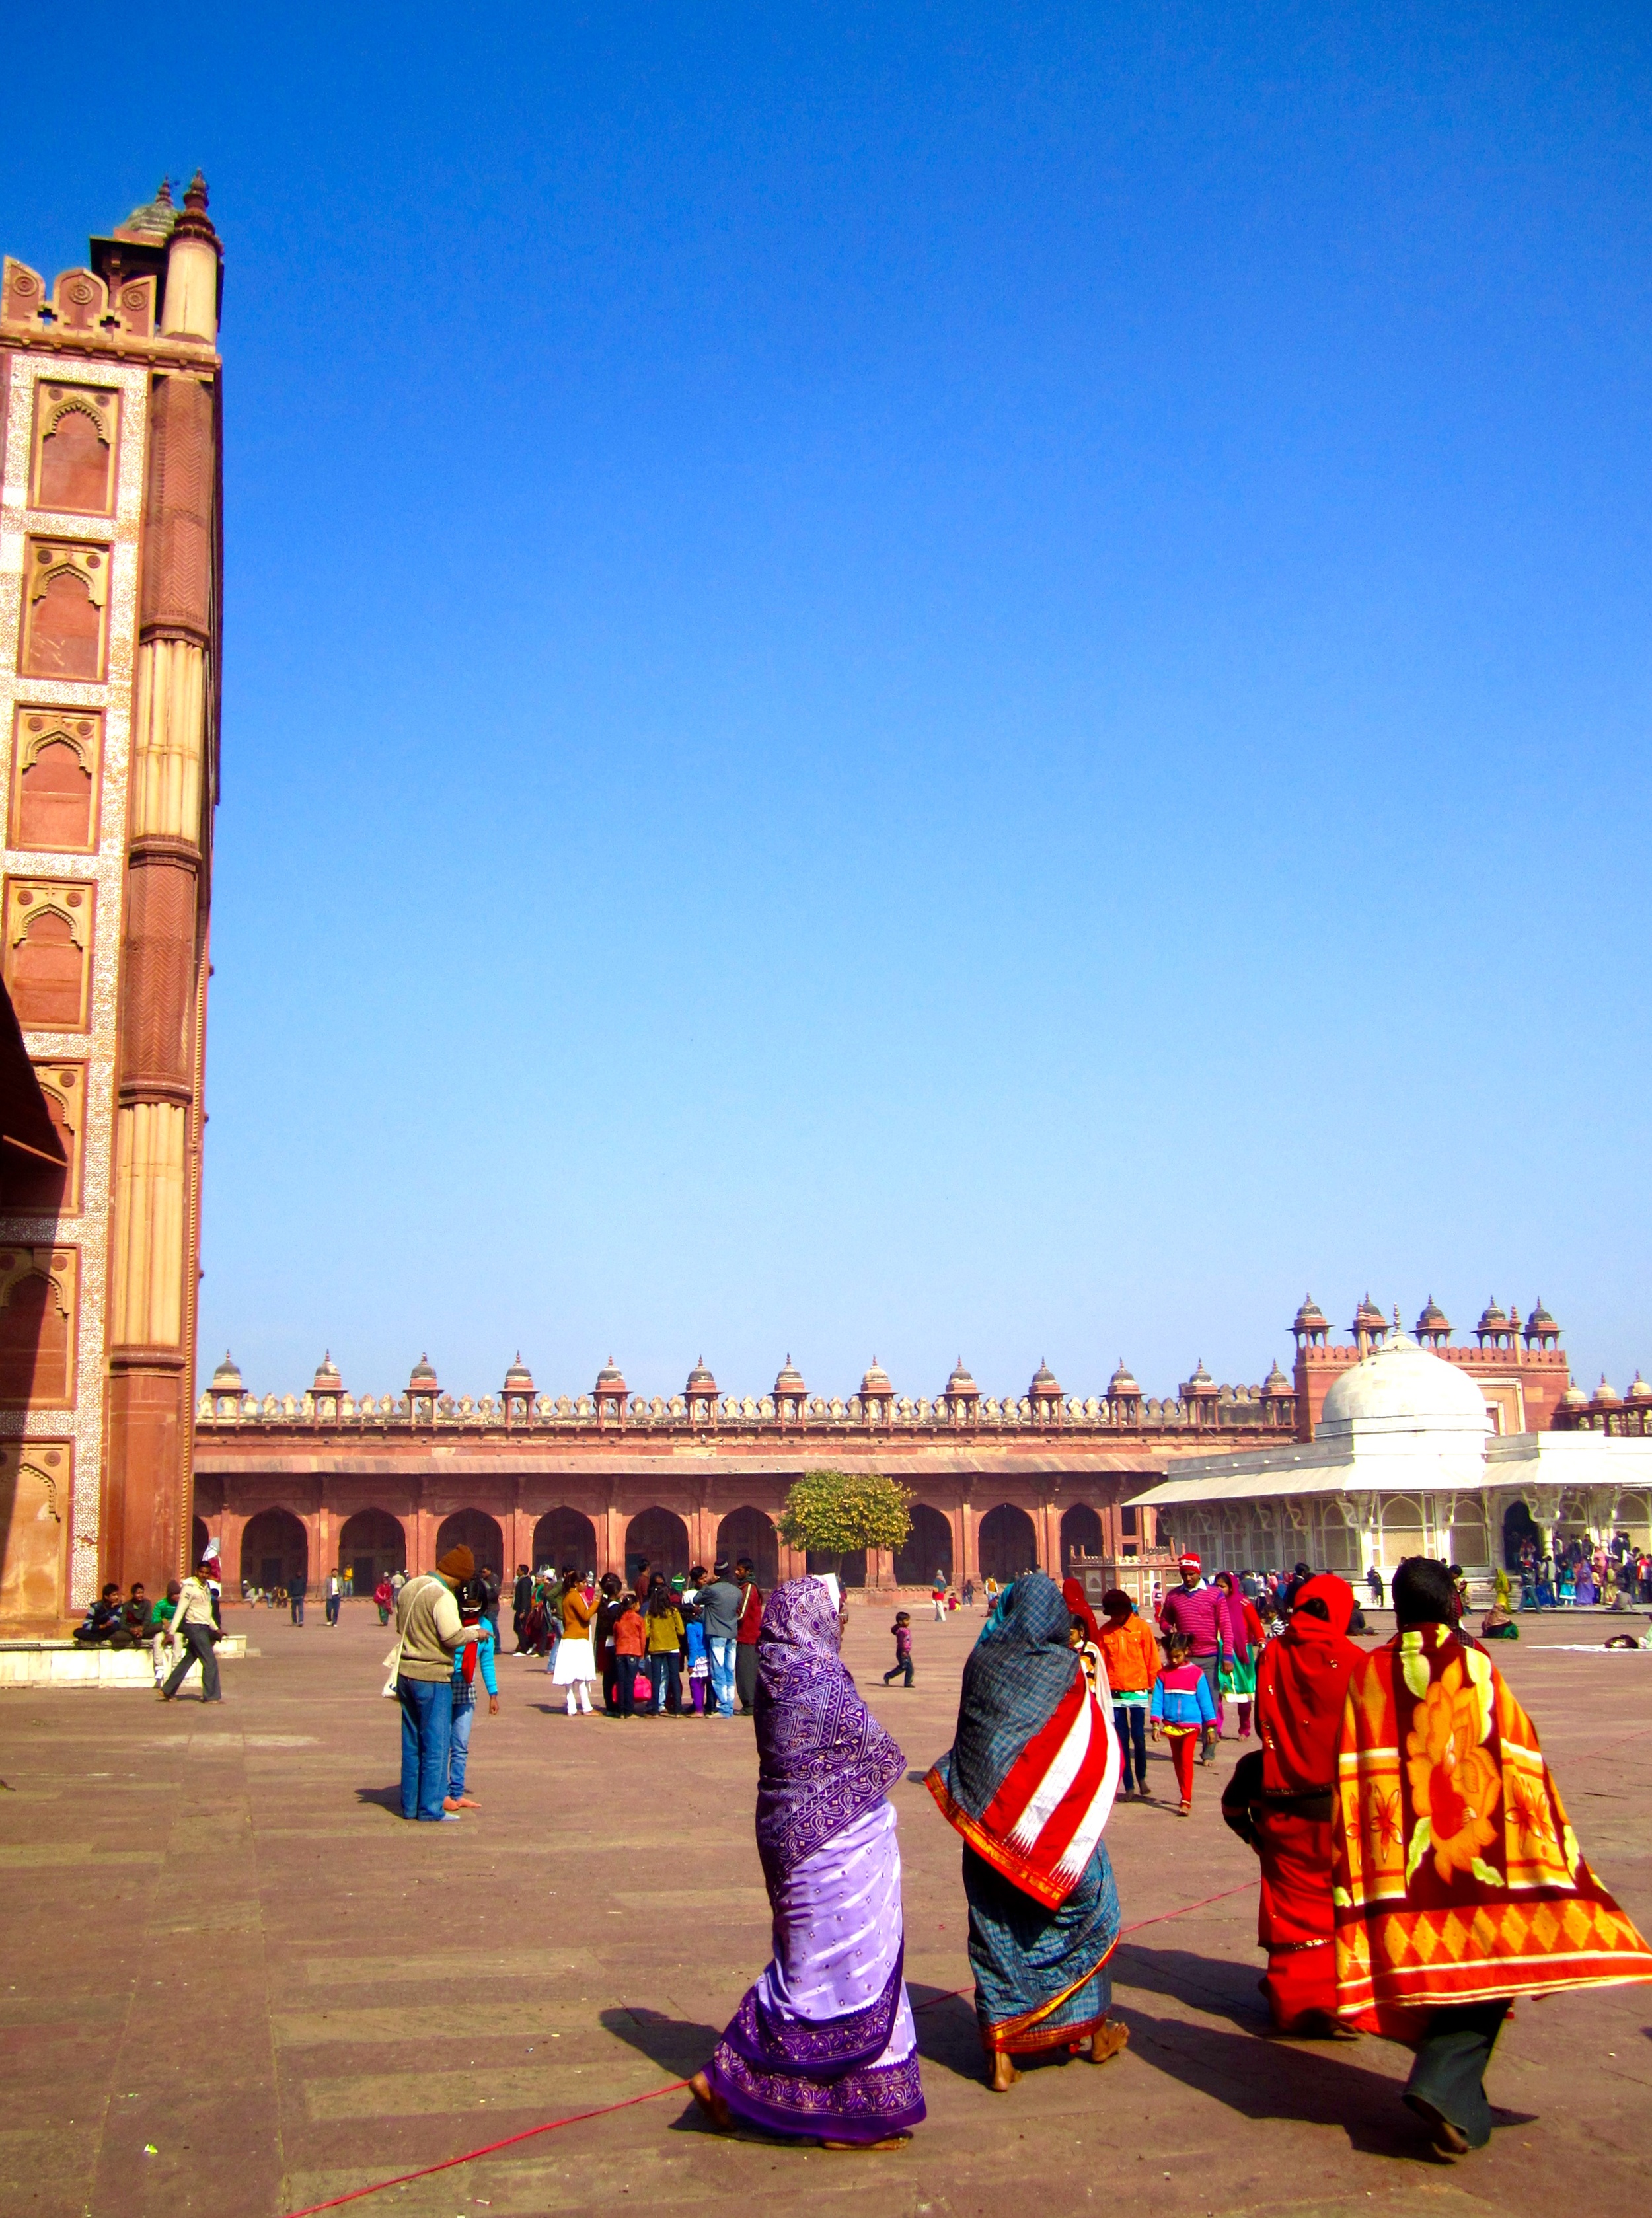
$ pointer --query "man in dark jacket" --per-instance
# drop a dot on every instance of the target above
(521, 1601)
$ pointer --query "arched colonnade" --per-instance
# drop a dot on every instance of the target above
(309, 1531)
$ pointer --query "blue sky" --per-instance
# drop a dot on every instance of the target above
(913, 680)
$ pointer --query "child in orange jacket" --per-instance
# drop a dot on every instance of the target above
(1131, 1655)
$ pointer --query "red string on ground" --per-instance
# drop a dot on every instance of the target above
(582, 2117)
(492, 2148)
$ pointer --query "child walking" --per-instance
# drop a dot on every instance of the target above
(1182, 1708)
(902, 1629)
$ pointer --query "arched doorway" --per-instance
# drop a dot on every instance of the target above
(371, 1546)
(1081, 1533)
(1008, 1544)
(748, 1532)
(1518, 1528)
(929, 1549)
(563, 1537)
(275, 1550)
(199, 1537)
(658, 1538)
(475, 1530)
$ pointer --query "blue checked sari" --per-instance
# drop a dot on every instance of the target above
(1041, 1977)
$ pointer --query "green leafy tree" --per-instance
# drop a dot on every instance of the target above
(835, 1512)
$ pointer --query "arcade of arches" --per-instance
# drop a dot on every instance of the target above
(275, 1527)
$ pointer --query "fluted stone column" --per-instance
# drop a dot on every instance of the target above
(154, 1239)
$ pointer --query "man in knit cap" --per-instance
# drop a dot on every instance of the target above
(429, 1634)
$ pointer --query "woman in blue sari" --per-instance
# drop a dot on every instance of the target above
(1029, 1782)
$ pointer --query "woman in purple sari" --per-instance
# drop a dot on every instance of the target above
(822, 2048)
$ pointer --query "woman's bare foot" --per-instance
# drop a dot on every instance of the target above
(1001, 2074)
(1108, 2038)
(711, 2103)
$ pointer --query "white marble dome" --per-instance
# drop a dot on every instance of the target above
(1401, 1388)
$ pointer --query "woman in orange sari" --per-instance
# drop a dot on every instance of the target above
(1457, 1880)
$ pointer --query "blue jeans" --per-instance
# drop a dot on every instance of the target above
(426, 1729)
(721, 1651)
(666, 1672)
(1130, 1723)
(459, 1747)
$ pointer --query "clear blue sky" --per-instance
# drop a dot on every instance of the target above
(912, 679)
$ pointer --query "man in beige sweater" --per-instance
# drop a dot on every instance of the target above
(196, 1631)
(430, 1633)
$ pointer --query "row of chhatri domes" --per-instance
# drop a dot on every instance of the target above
(788, 1384)
(1433, 1327)
(1635, 1395)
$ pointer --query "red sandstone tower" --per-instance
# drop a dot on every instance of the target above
(111, 401)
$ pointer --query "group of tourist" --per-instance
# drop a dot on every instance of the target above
(1572, 1574)
(677, 1644)
(1410, 1834)
(1409, 1831)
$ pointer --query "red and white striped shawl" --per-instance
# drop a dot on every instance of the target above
(1041, 1827)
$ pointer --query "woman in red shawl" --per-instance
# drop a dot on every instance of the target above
(1300, 1688)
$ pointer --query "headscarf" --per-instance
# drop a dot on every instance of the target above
(1237, 1632)
(1302, 1685)
(1073, 1594)
(823, 1759)
(1026, 1710)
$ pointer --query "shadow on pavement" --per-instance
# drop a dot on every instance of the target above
(1312, 2083)
(386, 1797)
(1211, 1983)
(677, 2045)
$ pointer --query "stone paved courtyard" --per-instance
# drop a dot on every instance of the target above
(219, 1943)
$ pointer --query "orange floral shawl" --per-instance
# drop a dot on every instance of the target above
(1457, 1876)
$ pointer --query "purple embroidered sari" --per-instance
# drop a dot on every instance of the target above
(822, 2047)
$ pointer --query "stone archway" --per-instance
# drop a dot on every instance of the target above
(372, 1545)
(660, 1538)
(275, 1550)
(475, 1530)
(748, 1531)
(1008, 1543)
(929, 1549)
(1519, 1527)
(562, 1537)
(1081, 1533)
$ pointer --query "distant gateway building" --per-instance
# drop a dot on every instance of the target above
(1408, 1457)
(376, 1483)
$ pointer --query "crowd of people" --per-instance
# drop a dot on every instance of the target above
(1575, 1575)
(1409, 1831)
(671, 1644)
